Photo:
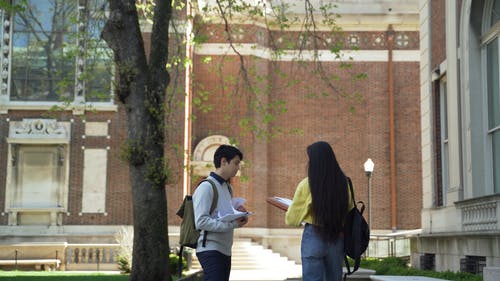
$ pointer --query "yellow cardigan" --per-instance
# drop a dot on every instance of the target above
(300, 209)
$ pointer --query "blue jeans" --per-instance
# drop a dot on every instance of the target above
(216, 266)
(321, 261)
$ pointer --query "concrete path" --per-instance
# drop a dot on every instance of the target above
(403, 278)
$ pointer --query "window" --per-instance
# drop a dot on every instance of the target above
(57, 54)
(42, 34)
(441, 140)
(444, 138)
(490, 46)
(98, 63)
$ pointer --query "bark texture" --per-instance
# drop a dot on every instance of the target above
(140, 86)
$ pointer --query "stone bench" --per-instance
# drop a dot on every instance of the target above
(45, 264)
(403, 278)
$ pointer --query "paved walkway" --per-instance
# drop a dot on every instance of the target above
(252, 262)
(403, 278)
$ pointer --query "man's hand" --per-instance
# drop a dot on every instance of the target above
(243, 220)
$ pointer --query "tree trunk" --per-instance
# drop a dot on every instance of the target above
(141, 88)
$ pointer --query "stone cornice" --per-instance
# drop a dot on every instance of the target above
(323, 55)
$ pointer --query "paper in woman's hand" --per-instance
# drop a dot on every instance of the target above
(280, 202)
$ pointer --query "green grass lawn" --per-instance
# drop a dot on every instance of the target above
(59, 276)
(62, 276)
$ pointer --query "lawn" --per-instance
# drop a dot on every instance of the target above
(59, 276)
(63, 276)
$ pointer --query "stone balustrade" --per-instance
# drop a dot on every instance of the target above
(91, 257)
(480, 214)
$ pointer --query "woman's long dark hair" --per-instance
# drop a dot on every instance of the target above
(328, 187)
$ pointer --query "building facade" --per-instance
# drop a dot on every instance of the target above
(460, 108)
(61, 174)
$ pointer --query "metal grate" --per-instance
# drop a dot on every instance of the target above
(473, 264)
(428, 261)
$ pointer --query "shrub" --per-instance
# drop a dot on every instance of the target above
(398, 266)
(125, 237)
(123, 264)
(173, 260)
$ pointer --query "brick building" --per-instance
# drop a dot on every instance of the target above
(61, 177)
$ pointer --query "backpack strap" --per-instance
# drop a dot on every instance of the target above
(215, 199)
(346, 261)
(349, 183)
(230, 188)
(347, 266)
(216, 195)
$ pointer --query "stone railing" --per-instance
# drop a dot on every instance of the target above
(397, 244)
(91, 257)
(480, 214)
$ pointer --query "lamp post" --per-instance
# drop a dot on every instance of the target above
(368, 171)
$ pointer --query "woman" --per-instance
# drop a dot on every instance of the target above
(321, 202)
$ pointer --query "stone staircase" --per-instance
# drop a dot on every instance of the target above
(252, 262)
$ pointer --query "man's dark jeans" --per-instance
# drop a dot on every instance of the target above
(216, 266)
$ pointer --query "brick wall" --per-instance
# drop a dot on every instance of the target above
(438, 34)
(353, 136)
(273, 167)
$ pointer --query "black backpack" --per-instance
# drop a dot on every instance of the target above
(356, 234)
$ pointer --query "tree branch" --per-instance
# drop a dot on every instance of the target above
(159, 42)
(123, 35)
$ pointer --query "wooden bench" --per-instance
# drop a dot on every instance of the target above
(45, 264)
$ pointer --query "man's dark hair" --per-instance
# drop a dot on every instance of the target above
(228, 152)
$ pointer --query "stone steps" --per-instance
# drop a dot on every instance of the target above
(251, 262)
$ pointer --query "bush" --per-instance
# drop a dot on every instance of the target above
(173, 260)
(123, 264)
(398, 266)
(125, 238)
(173, 263)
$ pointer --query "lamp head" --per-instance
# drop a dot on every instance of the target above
(369, 165)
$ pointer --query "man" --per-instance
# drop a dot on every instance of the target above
(214, 253)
